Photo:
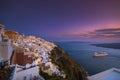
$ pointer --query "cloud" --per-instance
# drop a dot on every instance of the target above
(100, 34)
(107, 33)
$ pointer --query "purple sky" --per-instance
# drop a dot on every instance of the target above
(63, 19)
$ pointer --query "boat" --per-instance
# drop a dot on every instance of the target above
(102, 54)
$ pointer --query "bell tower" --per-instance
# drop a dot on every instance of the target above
(1, 31)
(5, 45)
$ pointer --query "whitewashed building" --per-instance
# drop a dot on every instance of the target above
(1, 31)
(28, 74)
(5, 45)
(6, 49)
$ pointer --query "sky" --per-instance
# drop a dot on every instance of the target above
(84, 20)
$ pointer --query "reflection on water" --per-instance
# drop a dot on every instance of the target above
(83, 53)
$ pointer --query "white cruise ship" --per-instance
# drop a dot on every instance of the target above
(100, 54)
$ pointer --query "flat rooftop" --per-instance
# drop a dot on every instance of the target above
(111, 74)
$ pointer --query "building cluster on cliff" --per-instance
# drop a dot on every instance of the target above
(23, 56)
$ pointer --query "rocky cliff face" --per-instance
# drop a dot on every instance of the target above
(73, 70)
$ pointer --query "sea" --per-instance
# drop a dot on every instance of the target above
(83, 52)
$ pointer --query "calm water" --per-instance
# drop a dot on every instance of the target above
(83, 54)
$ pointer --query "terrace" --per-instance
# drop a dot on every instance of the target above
(111, 74)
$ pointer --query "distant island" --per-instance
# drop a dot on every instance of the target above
(108, 45)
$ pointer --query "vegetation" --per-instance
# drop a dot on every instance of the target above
(4, 73)
(73, 70)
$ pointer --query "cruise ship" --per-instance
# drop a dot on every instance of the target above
(102, 54)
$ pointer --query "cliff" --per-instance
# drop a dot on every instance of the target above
(54, 62)
(73, 70)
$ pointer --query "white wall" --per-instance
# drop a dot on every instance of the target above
(28, 73)
(1, 32)
(100, 75)
(6, 49)
(0, 37)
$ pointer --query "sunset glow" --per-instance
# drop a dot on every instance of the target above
(63, 19)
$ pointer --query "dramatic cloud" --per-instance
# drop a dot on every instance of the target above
(100, 34)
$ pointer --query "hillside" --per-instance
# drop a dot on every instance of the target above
(73, 70)
(53, 62)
